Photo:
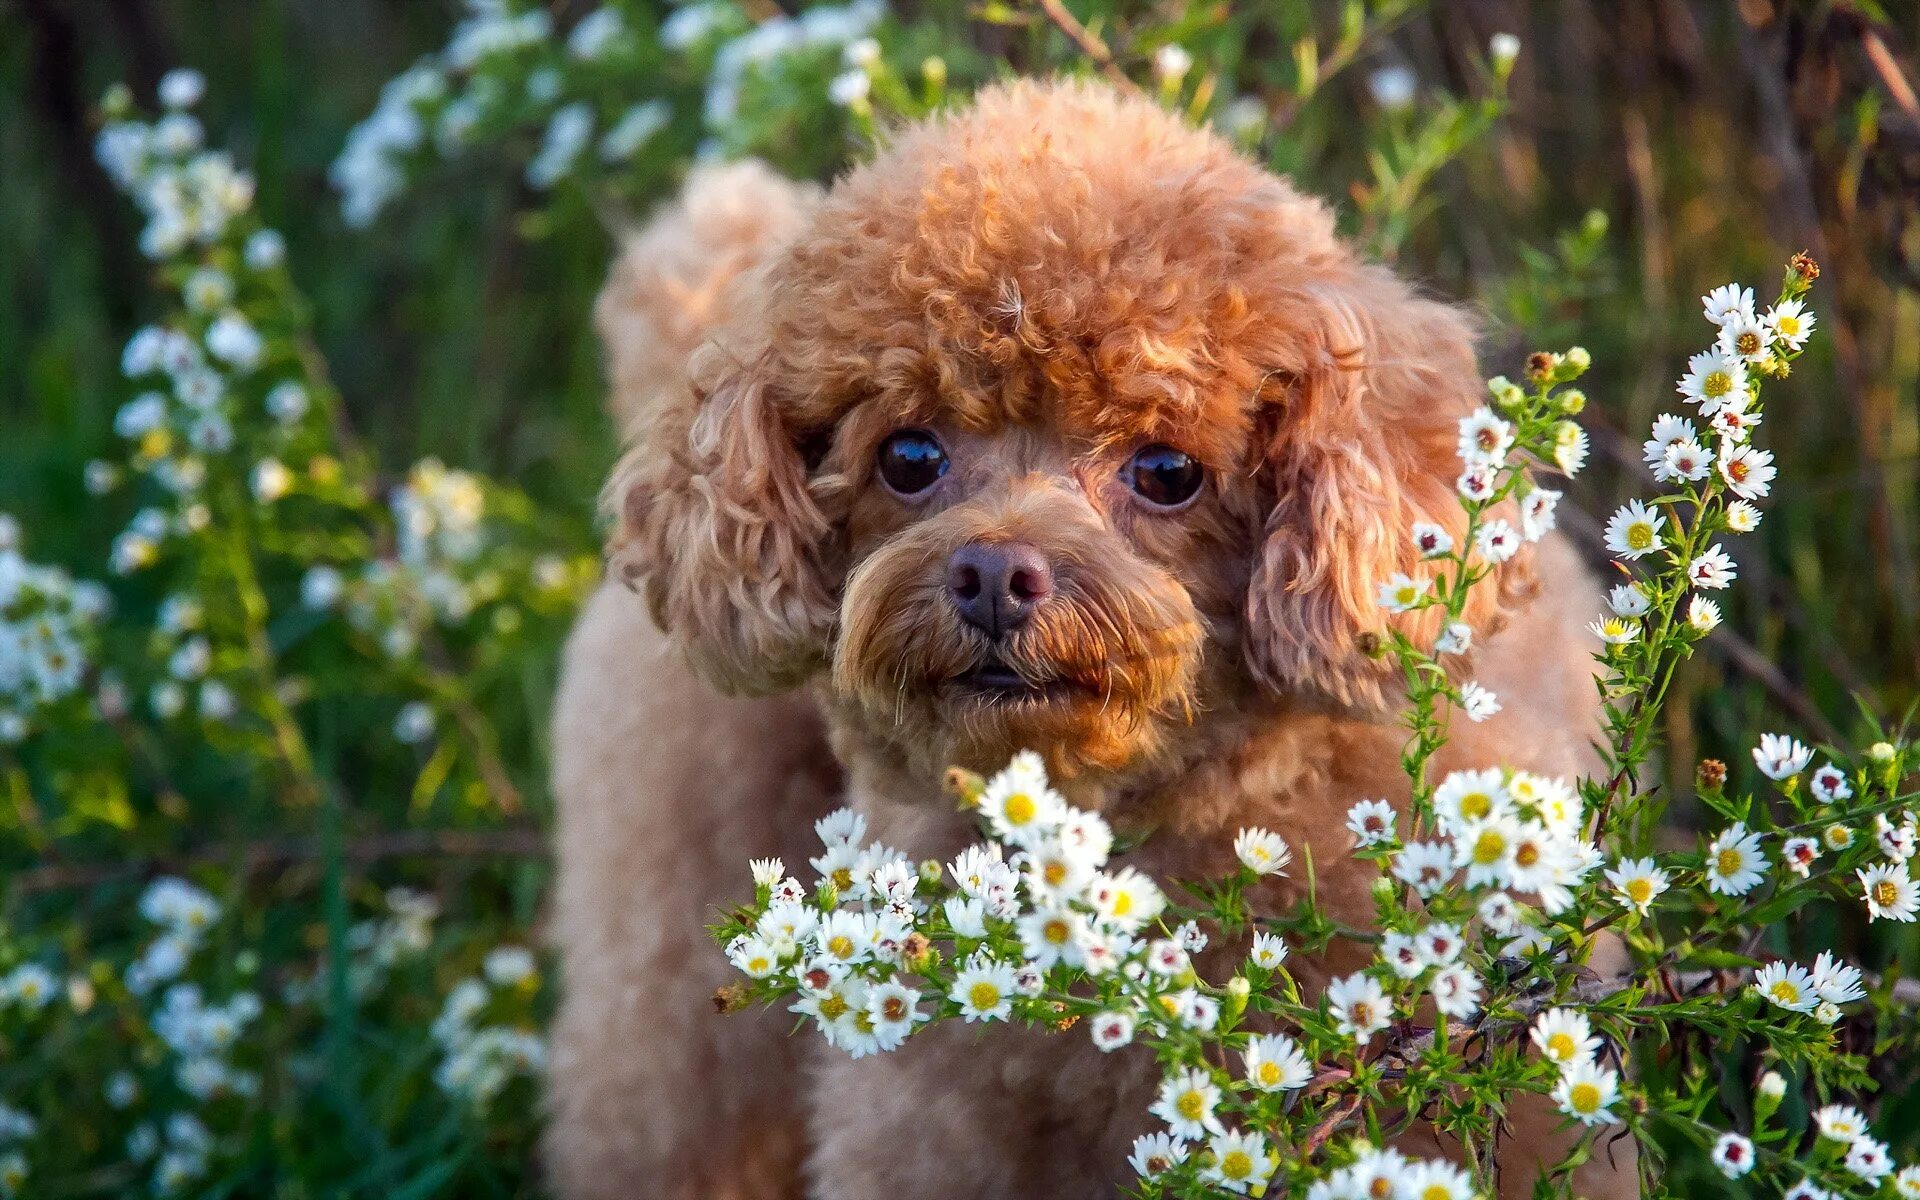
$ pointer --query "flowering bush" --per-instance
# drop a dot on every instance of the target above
(1496, 894)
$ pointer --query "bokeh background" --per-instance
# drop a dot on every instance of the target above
(1641, 152)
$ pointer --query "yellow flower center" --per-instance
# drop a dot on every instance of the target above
(1236, 1164)
(1584, 1097)
(1362, 1015)
(1436, 1191)
(1055, 873)
(983, 995)
(1640, 890)
(833, 1008)
(1560, 1047)
(1527, 855)
(1748, 343)
(1716, 384)
(1191, 1105)
(1788, 326)
(1489, 847)
(1885, 893)
(1122, 903)
(758, 965)
(894, 1009)
(1838, 837)
(1019, 808)
(840, 946)
(1728, 861)
(1057, 932)
(1639, 537)
(842, 878)
(1784, 992)
(1737, 470)
(1270, 1074)
(1475, 805)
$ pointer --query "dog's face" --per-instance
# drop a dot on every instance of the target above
(1061, 427)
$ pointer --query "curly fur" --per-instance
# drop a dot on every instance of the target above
(1048, 280)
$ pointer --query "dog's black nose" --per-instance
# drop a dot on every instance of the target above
(996, 586)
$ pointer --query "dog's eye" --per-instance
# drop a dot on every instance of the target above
(911, 461)
(1164, 476)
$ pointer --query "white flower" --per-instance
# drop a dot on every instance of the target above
(1125, 899)
(1537, 513)
(1841, 1123)
(1477, 483)
(1154, 1154)
(1569, 448)
(1052, 935)
(1703, 615)
(849, 88)
(1634, 530)
(1435, 1179)
(1358, 1006)
(1371, 822)
(1269, 950)
(271, 480)
(1587, 1092)
(1896, 841)
(766, 871)
(1497, 541)
(1733, 1154)
(1456, 991)
(1637, 882)
(29, 985)
(1019, 804)
(1424, 866)
(596, 32)
(1906, 1185)
(1742, 517)
(1241, 1162)
(1686, 461)
(1503, 48)
(1455, 638)
(1668, 431)
(1171, 63)
(1890, 892)
(1734, 864)
(893, 1010)
(1628, 600)
(1791, 322)
(1500, 914)
(984, 989)
(1464, 797)
(287, 402)
(1276, 1063)
(1748, 471)
(1484, 438)
(1477, 702)
(265, 249)
(1392, 87)
(1712, 570)
(1262, 851)
(1186, 1102)
(1735, 422)
(754, 957)
(1835, 981)
(1402, 955)
(1565, 1037)
(234, 342)
(1787, 985)
(1799, 854)
(1747, 338)
(1780, 757)
(1614, 631)
(1829, 784)
(567, 133)
(414, 723)
(1431, 540)
(1111, 1030)
(1401, 592)
(1726, 302)
(1868, 1160)
(1713, 379)
(182, 87)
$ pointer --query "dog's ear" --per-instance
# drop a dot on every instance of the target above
(715, 526)
(1362, 442)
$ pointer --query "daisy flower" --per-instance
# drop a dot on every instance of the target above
(1262, 851)
(1435, 1179)
(1891, 894)
(1747, 338)
(1371, 822)
(1500, 913)
(1401, 592)
(1439, 943)
(1485, 849)
(1906, 1184)
(1637, 882)
(753, 957)
(1634, 530)
(1424, 866)
(767, 872)
(1587, 1092)
(1841, 1123)
(1742, 517)
(1791, 322)
(1836, 982)
(984, 990)
(1868, 1160)
(1538, 510)
(1564, 1037)
(1484, 437)
(1241, 1162)
(1896, 841)
(1431, 540)
(1402, 955)
(1806, 1190)
(1836, 837)
(1052, 935)
(1780, 757)
(1018, 803)
(1467, 796)
(1726, 302)
(1125, 899)
(1275, 1063)
(1569, 448)
(1703, 615)
(1166, 957)
(1735, 865)
(1358, 1006)
(1687, 461)
(1787, 985)
(1455, 638)
(1799, 854)
(1269, 950)
(1735, 422)
(1733, 1154)
(1111, 1030)
(1713, 377)
(1668, 430)
(1829, 783)
(843, 826)
(1186, 1102)
(1748, 471)
(1155, 1154)
(1712, 570)
(1614, 631)
(1456, 991)
(893, 1010)
(846, 937)
(1497, 541)
(1629, 600)
(1476, 483)
(1477, 702)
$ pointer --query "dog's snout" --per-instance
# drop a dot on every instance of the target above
(996, 586)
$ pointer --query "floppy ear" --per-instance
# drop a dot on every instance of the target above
(715, 526)
(1363, 444)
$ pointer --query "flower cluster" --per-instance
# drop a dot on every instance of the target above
(48, 623)
(483, 1029)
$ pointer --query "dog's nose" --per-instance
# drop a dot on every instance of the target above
(996, 586)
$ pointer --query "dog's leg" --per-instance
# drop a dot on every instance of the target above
(665, 789)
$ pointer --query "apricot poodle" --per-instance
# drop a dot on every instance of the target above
(1059, 425)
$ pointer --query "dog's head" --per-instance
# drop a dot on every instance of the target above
(1062, 426)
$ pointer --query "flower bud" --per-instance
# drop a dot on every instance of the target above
(1767, 1097)
(1572, 401)
(930, 871)
(1238, 989)
(1541, 366)
(1881, 752)
(965, 786)
(1711, 775)
(1578, 359)
(934, 70)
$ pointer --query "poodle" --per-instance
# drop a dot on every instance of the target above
(1060, 425)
